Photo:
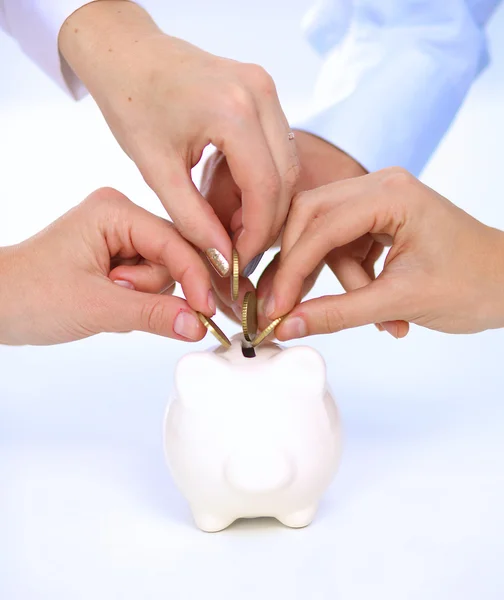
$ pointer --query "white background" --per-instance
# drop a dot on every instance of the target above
(87, 508)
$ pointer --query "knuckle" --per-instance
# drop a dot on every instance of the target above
(237, 103)
(332, 319)
(105, 196)
(258, 79)
(196, 273)
(397, 178)
(291, 176)
(316, 222)
(300, 203)
(155, 315)
(269, 186)
(190, 270)
(300, 211)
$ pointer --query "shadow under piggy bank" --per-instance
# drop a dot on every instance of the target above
(252, 437)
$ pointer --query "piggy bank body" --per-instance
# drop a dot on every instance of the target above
(252, 437)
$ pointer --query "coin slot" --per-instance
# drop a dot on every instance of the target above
(248, 352)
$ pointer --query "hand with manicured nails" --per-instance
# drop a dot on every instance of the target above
(320, 163)
(166, 100)
(107, 265)
(444, 270)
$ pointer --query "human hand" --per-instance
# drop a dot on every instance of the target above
(444, 270)
(71, 280)
(320, 163)
(165, 101)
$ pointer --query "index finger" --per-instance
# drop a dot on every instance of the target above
(255, 173)
(343, 224)
(157, 240)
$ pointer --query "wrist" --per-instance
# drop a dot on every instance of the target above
(322, 162)
(8, 286)
(96, 37)
(498, 309)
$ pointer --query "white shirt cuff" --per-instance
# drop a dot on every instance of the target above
(36, 24)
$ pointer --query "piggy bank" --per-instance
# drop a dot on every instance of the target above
(252, 437)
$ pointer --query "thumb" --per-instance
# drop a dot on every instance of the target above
(374, 303)
(128, 310)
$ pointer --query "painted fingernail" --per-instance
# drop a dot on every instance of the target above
(235, 307)
(269, 306)
(294, 328)
(252, 266)
(211, 302)
(391, 328)
(218, 261)
(187, 325)
(123, 283)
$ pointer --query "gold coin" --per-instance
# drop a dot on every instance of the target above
(249, 316)
(215, 330)
(235, 277)
(264, 334)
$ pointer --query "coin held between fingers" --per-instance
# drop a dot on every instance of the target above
(266, 332)
(215, 330)
(249, 316)
(235, 276)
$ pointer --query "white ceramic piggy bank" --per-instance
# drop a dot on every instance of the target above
(252, 437)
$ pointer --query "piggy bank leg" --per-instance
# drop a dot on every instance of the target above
(210, 522)
(300, 518)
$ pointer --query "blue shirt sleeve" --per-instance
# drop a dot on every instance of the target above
(395, 73)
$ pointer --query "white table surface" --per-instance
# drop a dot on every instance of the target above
(87, 507)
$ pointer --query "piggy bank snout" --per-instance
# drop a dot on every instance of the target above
(259, 471)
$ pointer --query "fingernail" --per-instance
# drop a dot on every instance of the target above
(235, 307)
(294, 327)
(252, 266)
(269, 306)
(187, 325)
(218, 261)
(379, 327)
(211, 302)
(124, 283)
(391, 328)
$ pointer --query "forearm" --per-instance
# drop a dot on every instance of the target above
(98, 35)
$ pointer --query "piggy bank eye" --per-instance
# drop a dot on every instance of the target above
(199, 378)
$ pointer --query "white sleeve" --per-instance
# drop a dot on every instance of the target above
(395, 74)
(3, 22)
(35, 24)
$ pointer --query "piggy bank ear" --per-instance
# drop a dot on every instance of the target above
(300, 369)
(199, 377)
